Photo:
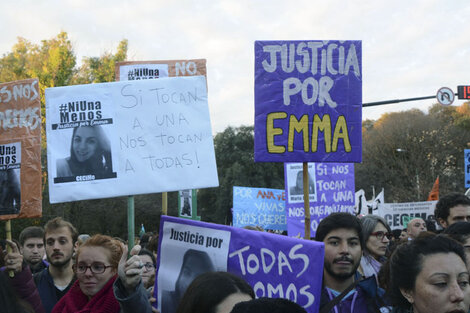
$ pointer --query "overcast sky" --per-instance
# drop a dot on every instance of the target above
(409, 48)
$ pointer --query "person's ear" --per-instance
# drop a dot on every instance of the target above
(408, 295)
(443, 222)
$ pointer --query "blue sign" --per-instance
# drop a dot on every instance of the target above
(331, 189)
(259, 207)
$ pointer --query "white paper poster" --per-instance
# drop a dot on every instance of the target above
(397, 215)
(186, 252)
(129, 137)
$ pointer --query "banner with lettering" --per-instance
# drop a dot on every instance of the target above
(308, 101)
(397, 215)
(20, 150)
(331, 190)
(263, 207)
(137, 70)
(467, 167)
(275, 266)
(129, 137)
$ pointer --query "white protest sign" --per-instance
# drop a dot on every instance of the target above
(130, 137)
(143, 71)
(398, 215)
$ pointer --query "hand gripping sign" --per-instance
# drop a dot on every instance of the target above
(275, 266)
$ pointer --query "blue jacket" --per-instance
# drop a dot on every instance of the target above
(367, 299)
(48, 292)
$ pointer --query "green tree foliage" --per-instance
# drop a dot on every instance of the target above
(404, 152)
(101, 69)
(234, 150)
(54, 63)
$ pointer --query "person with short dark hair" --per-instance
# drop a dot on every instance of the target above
(429, 275)
(215, 292)
(268, 305)
(460, 231)
(452, 208)
(32, 248)
(342, 235)
(54, 282)
(148, 274)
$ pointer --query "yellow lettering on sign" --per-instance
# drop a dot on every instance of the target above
(323, 125)
(299, 126)
(272, 131)
(341, 132)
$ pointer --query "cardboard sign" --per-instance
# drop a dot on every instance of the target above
(263, 207)
(331, 190)
(308, 101)
(127, 138)
(275, 266)
(398, 215)
(137, 70)
(20, 150)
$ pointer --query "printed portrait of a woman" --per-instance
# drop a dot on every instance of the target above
(90, 154)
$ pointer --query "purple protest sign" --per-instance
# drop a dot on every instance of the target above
(275, 266)
(308, 101)
(332, 191)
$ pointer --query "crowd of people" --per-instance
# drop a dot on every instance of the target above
(367, 268)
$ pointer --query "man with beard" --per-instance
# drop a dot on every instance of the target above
(54, 281)
(342, 289)
(32, 248)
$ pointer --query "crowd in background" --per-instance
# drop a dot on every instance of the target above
(367, 268)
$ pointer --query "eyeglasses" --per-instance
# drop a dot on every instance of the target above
(148, 266)
(380, 235)
(95, 268)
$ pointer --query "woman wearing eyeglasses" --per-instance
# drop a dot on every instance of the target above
(106, 281)
(148, 274)
(377, 235)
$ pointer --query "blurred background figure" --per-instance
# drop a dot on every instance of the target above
(415, 227)
(215, 292)
(268, 305)
(148, 274)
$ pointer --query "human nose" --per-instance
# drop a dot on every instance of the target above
(456, 293)
(385, 239)
(344, 248)
(88, 271)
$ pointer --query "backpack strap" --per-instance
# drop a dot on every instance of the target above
(330, 305)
